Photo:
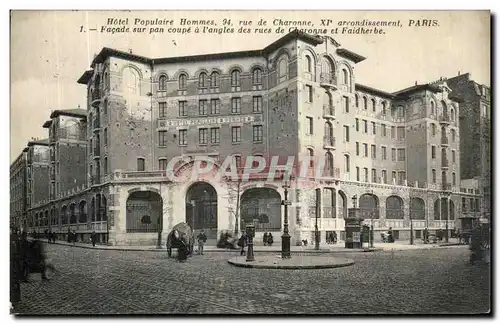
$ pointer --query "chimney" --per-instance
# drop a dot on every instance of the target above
(459, 72)
(415, 82)
(130, 51)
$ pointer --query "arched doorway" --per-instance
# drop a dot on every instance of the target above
(394, 208)
(201, 208)
(369, 206)
(342, 212)
(261, 207)
(144, 212)
(417, 208)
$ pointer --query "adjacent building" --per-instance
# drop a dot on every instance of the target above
(18, 189)
(398, 153)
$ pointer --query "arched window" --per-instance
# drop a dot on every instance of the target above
(433, 175)
(182, 81)
(235, 78)
(214, 80)
(257, 76)
(310, 153)
(394, 208)
(327, 70)
(202, 80)
(452, 114)
(454, 179)
(106, 165)
(356, 98)
(130, 81)
(365, 103)
(345, 76)
(374, 108)
(308, 64)
(433, 108)
(433, 129)
(444, 107)
(283, 69)
(162, 83)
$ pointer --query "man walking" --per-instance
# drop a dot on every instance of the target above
(202, 239)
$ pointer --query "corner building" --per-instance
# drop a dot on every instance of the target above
(397, 152)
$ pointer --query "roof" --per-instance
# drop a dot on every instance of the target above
(109, 52)
(69, 112)
(356, 58)
(373, 91)
(42, 142)
(47, 124)
(417, 88)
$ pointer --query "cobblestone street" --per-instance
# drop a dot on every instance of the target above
(111, 282)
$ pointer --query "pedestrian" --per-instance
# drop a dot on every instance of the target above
(390, 236)
(93, 238)
(49, 237)
(270, 240)
(334, 237)
(73, 237)
(202, 239)
(265, 237)
(69, 236)
(182, 251)
(242, 242)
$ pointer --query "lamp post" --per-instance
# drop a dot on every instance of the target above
(193, 204)
(354, 200)
(447, 218)
(250, 234)
(411, 229)
(285, 238)
(318, 210)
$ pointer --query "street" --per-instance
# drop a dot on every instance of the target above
(97, 282)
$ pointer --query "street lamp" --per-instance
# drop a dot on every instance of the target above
(285, 238)
(193, 203)
(318, 210)
(447, 218)
(411, 227)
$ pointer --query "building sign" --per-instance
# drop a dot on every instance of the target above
(209, 121)
(356, 237)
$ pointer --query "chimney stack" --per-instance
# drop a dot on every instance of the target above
(459, 72)
(415, 82)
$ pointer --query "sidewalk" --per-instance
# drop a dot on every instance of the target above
(323, 248)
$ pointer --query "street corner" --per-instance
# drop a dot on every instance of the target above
(295, 262)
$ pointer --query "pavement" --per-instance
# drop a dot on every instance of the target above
(296, 262)
(109, 282)
(323, 248)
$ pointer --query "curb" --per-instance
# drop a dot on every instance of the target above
(349, 262)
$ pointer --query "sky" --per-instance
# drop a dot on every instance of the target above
(49, 52)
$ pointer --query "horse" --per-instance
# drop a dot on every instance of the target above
(181, 233)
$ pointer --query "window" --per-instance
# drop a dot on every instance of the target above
(464, 204)
(365, 150)
(105, 165)
(374, 128)
(162, 138)
(393, 176)
(433, 151)
(347, 163)
(162, 164)
(202, 80)
(433, 176)
(374, 151)
(401, 133)
(346, 133)
(365, 103)
(384, 176)
(308, 64)
(182, 108)
(345, 76)
(214, 80)
(374, 175)
(453, 156)
(401, 178)
(140, 164)
(374, 107)
(214, 135)
(393, 152)
(235, 105)
(162, 110)
(432, 107)
(105, 136)
(393, 132)
(454, 178)
(433, 129)
(257, 133)
(282, 69)
(384, 129)
(357, 148)
(309, 93)
(236, 134)
(357, 173)
(471, 204)
(365, 174)
(309, 125)
(183, 137)
(453, 134)
(203, 107)
(182, 81)
(356, 98)
(311, 157)
(237, 160)
(365, 126)
(162, 83)
(235, 78)
(345, 104)
(384, 108)
(257, 104)
(357, 125)
(401, 112)
(384, 153)
(257, 76)
(401, 154)
(214, 106)
(203, 136)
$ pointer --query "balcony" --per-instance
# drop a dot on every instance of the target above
(444, 162)
(446, 186)
(328, 142)
(444, 141)
(328, 80)
(444, 119)
(328, 111)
